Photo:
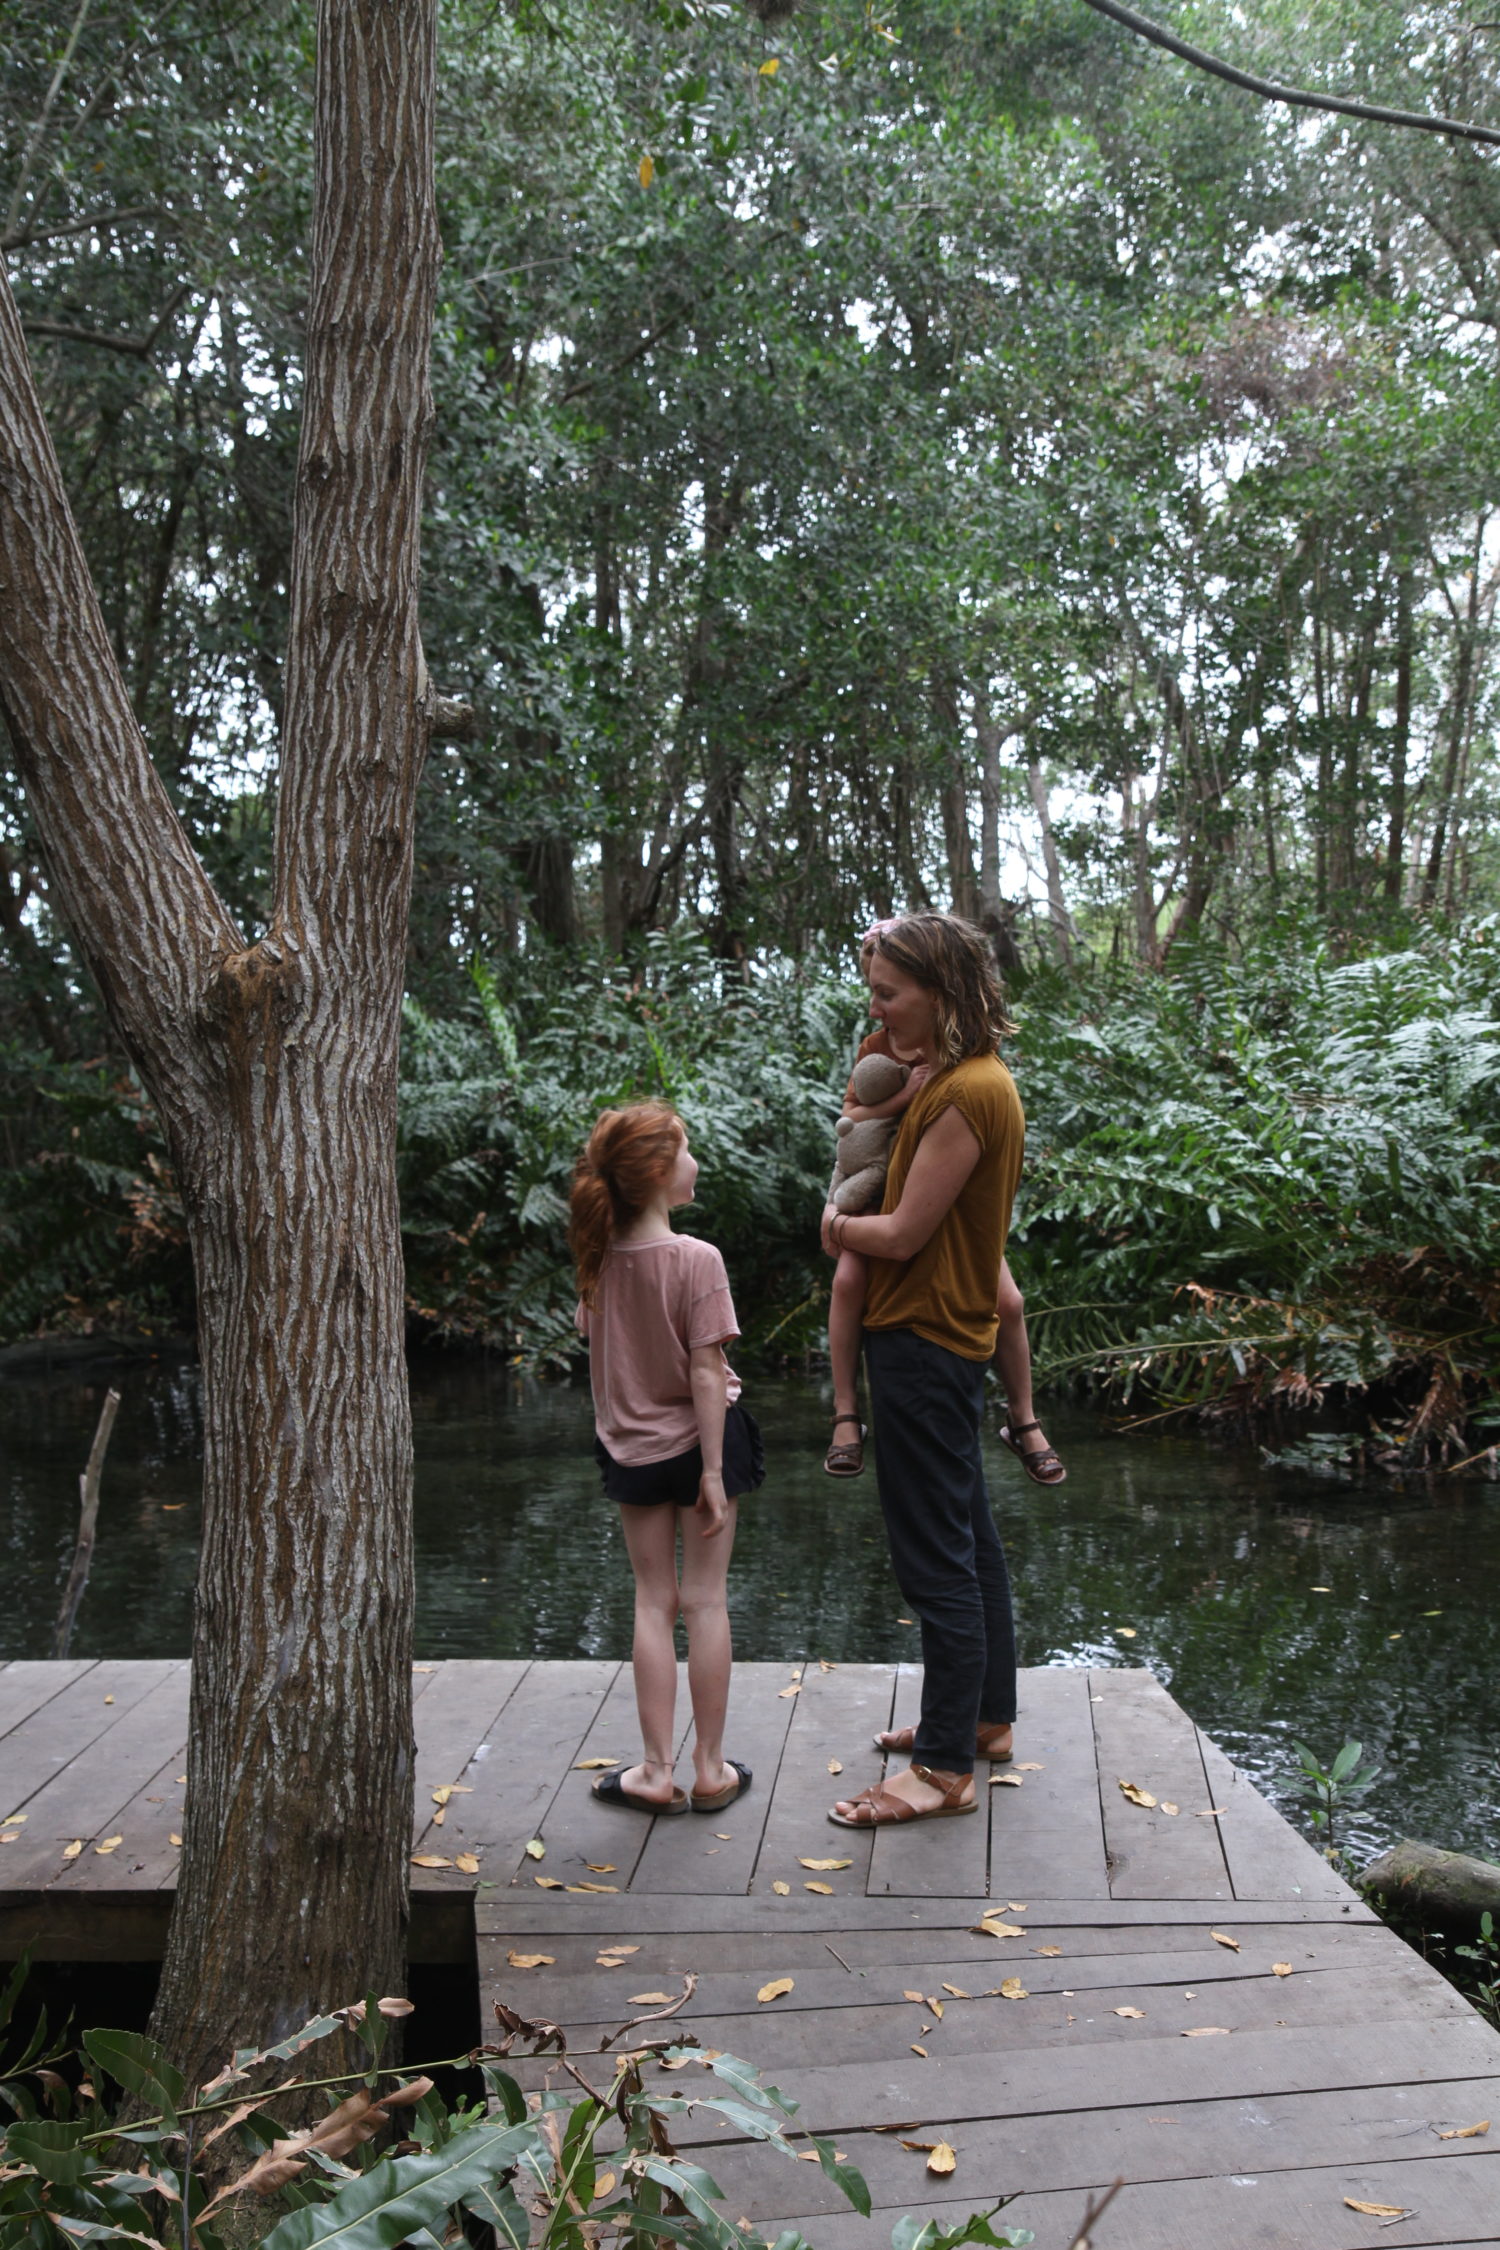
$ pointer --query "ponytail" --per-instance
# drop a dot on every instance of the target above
(627, 1156)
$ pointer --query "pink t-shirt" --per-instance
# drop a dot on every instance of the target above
(655, 1304)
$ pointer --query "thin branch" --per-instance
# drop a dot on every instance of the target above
(134, 347)
(38, 131)
(1269, 90)
(22, 238)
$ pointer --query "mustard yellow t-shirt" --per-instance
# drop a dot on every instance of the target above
(947, 1291)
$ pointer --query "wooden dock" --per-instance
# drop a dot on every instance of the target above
(1196, 2003)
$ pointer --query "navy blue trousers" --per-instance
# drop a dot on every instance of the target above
(949, 1563)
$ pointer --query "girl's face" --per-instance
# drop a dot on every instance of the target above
(902, 1005)
(683, 1177)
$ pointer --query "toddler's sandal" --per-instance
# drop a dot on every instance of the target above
(846, 1456)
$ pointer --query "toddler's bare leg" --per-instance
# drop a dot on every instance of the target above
(1013, 1361)
(846, 1314)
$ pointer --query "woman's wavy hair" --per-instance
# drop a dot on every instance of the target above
(627, 1156)
(953, 961)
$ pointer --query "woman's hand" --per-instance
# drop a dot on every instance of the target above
(711, 1506)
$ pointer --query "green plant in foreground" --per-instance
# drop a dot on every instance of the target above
(1483, 1985)
(556, 2170)
(1327, 1789)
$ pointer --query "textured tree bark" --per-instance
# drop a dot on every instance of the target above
(274, 1067)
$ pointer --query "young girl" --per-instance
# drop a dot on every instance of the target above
(672, 1439)
(1021, 1433)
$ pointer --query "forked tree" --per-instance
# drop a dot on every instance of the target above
(273, 1066)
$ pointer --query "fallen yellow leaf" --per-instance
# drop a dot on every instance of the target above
(822, 1866)
(649, 1999)
(600, 1887)
(794, 1689)
(603, 2186)
(429, 1859)
(451, 1789)
(71, 1851)
(916, 2050)
(782, 1890)
(1136, 1794)
(594, 1765)
(1016, 1905)
(935, 2007)
(926, 2145)
(177, 1840)
(1049, 1952)
(958, 1992)
(109, 1699)
(1466, 2132)
(824, 1890)
(110, 1844)
(835, 1765)
(998, 1929)
(1281, 1968)
(1375, 2210)
(1208, 2031)
(1030, 1765)
(1167, 1807)
(1222, 1937)
(613, 1956)
(536, 1849)
(14, 1820)
(1013, 1989)
(775, 1989)
(942, 2158)
(1137, 2013)
(1214, 1812)
(601, 1867)
(531, 1960)
(547, 1882)
(466, 1863)
(1006, 1781)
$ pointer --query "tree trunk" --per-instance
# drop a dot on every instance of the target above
(1400, 740)
(1057, 906)
(274, 1068)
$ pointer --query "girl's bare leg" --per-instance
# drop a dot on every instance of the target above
(705, 1569)
(651, 1543)
(846, 1315)
(1013, 1361)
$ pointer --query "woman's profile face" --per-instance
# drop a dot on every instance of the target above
(902, 1005)
(683, 1177)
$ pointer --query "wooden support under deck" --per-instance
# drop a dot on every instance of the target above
(1298, 2094)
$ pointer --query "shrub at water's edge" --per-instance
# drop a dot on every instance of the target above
(1257, 1186)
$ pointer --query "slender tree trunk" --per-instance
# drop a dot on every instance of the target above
(274, 1068)
(1060, 919)
(1395, 846)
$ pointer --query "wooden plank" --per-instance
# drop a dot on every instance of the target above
(1266, 1856)
(1053, 1821)
(517, 1910)
(96, 1758)
(1080, 2148)
(517, 1771)
(36, 1753)
(1143, 1736)
(835, 1717)
(26, 1684)
(1031, 2081)
(578, 1829)
(455, 1707)
(692, 1855)
(929, 1859)
(147, 1859)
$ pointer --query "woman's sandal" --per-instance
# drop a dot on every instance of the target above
(611, 1790)
(904, 1740)
(879, 1807)
(717, 1799)
(1043, 1465)
(846, 1457)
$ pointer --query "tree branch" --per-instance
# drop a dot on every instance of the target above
(1270, 91)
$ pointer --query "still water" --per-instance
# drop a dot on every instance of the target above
(1275, 1608)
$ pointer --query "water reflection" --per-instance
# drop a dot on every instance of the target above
(1274, 1608)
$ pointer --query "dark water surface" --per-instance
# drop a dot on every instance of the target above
(1164, 1551)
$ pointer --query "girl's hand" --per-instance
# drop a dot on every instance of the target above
(921, 1072)
(711, 1507)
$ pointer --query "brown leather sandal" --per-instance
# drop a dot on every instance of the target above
(879, 1807)
(846, 1456)
(1043, 1466)
(985, 1742)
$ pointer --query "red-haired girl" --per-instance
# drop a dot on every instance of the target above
(671, 1436)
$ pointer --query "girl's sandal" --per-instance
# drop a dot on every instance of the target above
(846, 1457)
(1043, 1465)
(879, 1807)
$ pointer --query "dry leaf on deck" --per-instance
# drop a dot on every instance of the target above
(71, 1851)
(110, 1844)
(1006, 1781)
(1222, 1937)
(1208, 2031)
(451, 1789)
(532, 1960)
(821, 1866)
(536, 1849)
(1375, 2210)
(935, 2007)
(835, 1765)
(614, 1956)
(1013, 1989)
(958, 1992)
(1466, 2132)
(176, 1841)
(794, 1689)
(1168, 1807)
(595, 1765)
(1136, 1794)
(1031, 1765)
(1048, 1952)
(776, 1987)
(655, 1999)
(1016, 1905)
(466, 1863)
(601, 1867)
(1213, 1813)
(998, 1929)
(925, 2146)
(593, 1887)
(429, 1859)
(824, 1890)
(782, 1890)
(942, 2158)
(1137, 2013)
(547, 1882)
(916, 2050)
(1281, 1968)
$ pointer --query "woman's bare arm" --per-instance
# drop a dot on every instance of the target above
(710, 1388)
(946, 1154)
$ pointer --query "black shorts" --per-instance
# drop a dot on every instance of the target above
(652, 1484)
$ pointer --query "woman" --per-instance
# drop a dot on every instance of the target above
(936, 1253)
